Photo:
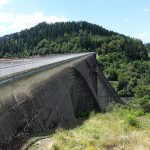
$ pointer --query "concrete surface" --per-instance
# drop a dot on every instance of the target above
(53, 98)
(12, 66)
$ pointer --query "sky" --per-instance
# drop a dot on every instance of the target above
(129, 17)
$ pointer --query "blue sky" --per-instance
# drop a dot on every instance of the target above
(129, 17)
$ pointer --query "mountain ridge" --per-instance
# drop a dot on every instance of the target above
(69, 37)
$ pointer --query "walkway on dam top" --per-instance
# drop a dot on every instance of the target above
(10, 67)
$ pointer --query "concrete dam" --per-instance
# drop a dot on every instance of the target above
(51, 95)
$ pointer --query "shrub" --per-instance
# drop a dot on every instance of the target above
(111, 106)
(123, 93)
(92, 113)
(123, 82)
(55, 147)
(112, 75)
(132, 120)
(145, 104)
(141, 91)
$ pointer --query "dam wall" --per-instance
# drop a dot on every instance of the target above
(52, 98)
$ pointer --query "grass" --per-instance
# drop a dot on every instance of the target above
(120, 129)
(104, 131)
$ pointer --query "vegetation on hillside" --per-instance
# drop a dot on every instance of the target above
(147, 47)
(129, 78)
(70, 37)
(120, 128)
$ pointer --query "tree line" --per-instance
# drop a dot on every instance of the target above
(70, 37)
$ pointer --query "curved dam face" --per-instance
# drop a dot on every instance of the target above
(53, 98)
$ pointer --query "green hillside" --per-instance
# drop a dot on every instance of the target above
(70, 37)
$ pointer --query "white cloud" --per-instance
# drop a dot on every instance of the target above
(11, 22)
(142, 34)
(145, 37)
(126, 19)
(22, 21)
(146, 9)
(2, 3)
(6, 17)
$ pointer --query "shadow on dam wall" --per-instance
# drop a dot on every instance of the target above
(53, 98)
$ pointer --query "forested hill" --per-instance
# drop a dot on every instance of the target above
(70, 37)
(148, 47)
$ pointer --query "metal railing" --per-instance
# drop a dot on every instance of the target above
(26, 73)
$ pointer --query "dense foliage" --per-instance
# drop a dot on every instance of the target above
(129, 78)
(147, 47)
(70, 37)
(24, 42)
